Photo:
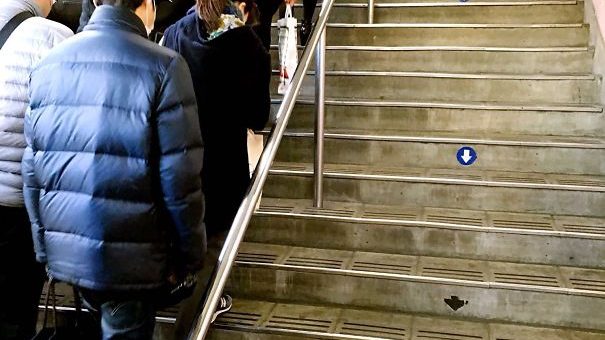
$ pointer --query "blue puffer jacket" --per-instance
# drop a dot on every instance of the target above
(113, 159)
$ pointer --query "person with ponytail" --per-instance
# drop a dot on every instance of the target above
(231, 70)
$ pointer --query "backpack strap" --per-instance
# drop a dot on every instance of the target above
(11, 25)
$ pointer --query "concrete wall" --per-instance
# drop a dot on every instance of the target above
(594, 15)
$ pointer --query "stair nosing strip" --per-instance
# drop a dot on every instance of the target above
(453, 105)
(283, 331)
(446, 140)
(449, 75)
(435, 180)
(436, 48)
(425, 279)
(444, 25)
(473, 4)
(438, 225)
(454, 4)
(159, 319)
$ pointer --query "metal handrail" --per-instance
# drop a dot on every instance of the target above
(244, 213)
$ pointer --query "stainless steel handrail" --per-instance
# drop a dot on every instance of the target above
(242, 218)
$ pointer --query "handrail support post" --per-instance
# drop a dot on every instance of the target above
(370, 11)
(320, 81)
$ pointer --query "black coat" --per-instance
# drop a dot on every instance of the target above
(231, 76)
(114, 153)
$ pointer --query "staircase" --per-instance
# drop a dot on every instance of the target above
(410, 243)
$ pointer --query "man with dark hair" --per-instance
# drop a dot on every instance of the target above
(168, 12)
(112, 168)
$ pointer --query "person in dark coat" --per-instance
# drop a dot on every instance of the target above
(112, 167)
(231, 70)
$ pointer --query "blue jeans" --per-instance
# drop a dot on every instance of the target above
(123, 319)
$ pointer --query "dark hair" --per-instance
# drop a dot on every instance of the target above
(130, 4)
(210, 12)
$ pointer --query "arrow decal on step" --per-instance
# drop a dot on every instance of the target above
(466, 155)
(455, 303)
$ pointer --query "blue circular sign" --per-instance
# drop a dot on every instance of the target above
(466, 155)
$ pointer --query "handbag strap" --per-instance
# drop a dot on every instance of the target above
(12, 25)
(50, 290)
(46, 300)
(288, 13)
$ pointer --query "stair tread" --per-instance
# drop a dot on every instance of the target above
(262, 316)
(571, 107)
(440, 270)
(461, 219)
(466, 137)
(449, 176)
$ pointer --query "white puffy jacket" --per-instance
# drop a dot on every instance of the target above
(23, 50)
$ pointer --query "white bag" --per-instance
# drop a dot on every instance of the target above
(288, 54)
(255, 150)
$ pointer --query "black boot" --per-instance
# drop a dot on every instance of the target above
(305, 31)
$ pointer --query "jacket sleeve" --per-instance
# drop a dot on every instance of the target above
(31, 191)
(180, 164)
(258, 99)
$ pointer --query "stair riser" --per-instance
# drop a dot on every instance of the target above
(418, 120)
(513, 37)
(550, 14)
(563, 202)
(423, 241)
(456, 61)
(454, 89)
(443, 155)
(495, 304)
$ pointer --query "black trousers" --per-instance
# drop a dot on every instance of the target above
(21, 277)
(267, 10)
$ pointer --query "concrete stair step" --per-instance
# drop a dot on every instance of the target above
(437, 232)
(495, 291)
(455, 117)
(432, 86)
(415, 34)
(557, 154)
(456, 59)
(444, 188)
(506, 12)
(262, 319)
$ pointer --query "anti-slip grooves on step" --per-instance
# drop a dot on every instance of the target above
(470, 220)
(445, 271)
(266, 319)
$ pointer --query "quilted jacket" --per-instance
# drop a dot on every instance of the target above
(27, 45)
(113, 160)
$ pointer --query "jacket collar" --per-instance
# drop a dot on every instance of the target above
(111, 17)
